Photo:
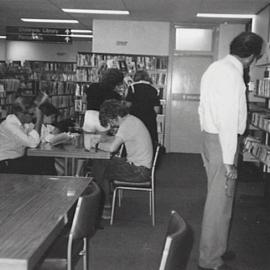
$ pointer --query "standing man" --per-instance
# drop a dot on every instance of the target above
(223, 115)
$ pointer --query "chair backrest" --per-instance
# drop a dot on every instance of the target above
(86, 213)
(178, 244)
(120, 151)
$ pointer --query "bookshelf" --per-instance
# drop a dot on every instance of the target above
(14, 81)
(91, 65)
(257, 142)
(56, 79)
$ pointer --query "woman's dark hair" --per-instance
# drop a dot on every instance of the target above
(142, 75)
(246, 44)
(112, 77)
(110, 110)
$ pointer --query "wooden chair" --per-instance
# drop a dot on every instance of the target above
(148, 186)
(68, 248)
(177, 245)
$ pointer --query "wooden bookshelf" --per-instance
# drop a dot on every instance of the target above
(89, 68)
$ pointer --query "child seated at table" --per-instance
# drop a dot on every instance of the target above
(18, 131)
(56, 133)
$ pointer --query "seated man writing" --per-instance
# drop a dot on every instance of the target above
(17, 132)
(129, 130)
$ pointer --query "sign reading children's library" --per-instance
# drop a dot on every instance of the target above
(60, 35)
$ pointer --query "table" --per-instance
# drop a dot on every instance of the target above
(68, 152)
(32, 214)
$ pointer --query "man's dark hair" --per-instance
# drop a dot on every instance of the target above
(112, 77)
(23, 104)
(246, 44)
(110, 110)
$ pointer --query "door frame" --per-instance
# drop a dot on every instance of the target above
(172, 53)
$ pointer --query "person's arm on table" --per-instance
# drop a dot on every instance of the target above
(110, 143)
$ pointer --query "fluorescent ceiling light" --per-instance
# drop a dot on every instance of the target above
(80, 31)
(233, 16)
(75, 35)
(81, 36)
(48, 20)
(3, 37)
(96, 11)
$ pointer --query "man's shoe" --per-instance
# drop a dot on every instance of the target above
(222, 267)
(228, 256)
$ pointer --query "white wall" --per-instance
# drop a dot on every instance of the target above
(261, 24)
(227, 32)
(131, 37)
(24, 50)
(2, 50)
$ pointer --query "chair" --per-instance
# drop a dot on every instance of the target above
(177, 245)
(148, 186)
(68, 248)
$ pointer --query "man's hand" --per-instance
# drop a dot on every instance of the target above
(231, 171)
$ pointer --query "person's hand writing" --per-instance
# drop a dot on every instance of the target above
(231, 171)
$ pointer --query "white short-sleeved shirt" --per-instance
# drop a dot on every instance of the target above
(137, 141)
(223, 108)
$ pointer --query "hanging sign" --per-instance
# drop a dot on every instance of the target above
(61, 35)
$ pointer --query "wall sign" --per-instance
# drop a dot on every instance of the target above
(60, 35)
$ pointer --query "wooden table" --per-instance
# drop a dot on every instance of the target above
(68, 152)
(32, 214)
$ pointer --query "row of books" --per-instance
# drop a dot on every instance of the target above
(12, 67)
(62, 101)
(131, 62)
(261, 120)
(262, 87)
(53, 76)
(158, 78)
(7, 99)
(258, 150)
(57, 87)
(9, 84)
(40, 66)
(87, 75)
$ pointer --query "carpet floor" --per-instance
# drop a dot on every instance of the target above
(131, 243)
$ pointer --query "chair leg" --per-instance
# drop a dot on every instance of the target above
(113, 205)
(86, 254)
(120, 195)
(153, 208)
(150, 203)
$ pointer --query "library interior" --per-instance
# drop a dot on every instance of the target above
(101, 99)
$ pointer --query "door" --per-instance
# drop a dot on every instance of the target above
(187, 70)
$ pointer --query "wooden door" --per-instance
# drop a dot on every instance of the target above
(183, 127)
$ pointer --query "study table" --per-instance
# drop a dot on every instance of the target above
(68, 152)
(32, 214)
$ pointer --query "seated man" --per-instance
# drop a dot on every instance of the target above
(129, 130)
(17, 132)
